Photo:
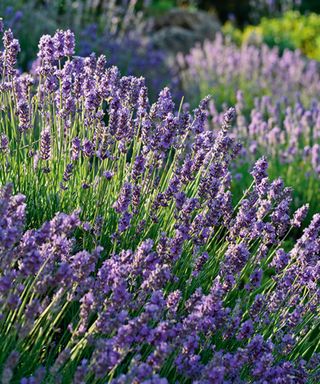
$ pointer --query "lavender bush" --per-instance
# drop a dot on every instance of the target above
(222, 68)
(152, 275)
(288, 133)
(193, 306)
(113, 28)
(277, 107)
(72, 121)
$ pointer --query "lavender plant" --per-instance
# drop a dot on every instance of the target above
(221, 68)
(65, 121)
(288, 134)
(151, 275)
(277, 114)
(114, 28)
(139, 57)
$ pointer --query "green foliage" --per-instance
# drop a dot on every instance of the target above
(292, 31)
(161, 6)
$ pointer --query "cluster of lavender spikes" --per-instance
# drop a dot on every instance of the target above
(276, 98)
(224, 68)
(288, 133)
(132, 53)
(158, 278)
(164, 311)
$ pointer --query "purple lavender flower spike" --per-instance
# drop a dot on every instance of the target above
(12, 48)
(68, 172)
(124, 199)
(4, 143)
(76, 148)
(46, 48)
(69, 43)
(45, 145)
(259, 171)
(88, 148)
(300, 215)
(59, 43)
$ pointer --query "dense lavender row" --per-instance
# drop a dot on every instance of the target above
(166, 310)
(276, 98)
(115, 30)
(157, 277)
(222, 68)
(287, 133)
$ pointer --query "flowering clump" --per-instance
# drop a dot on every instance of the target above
(158, 278)
(255, 70)
(275, 96)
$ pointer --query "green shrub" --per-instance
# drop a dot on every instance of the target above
(292, 31)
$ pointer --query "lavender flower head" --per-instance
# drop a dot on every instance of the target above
(300, 215)
(45, 145)
(259, 171)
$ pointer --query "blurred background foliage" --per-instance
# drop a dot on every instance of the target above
(243, 11)
(292, 31)
(110, 27)
(287, 23)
